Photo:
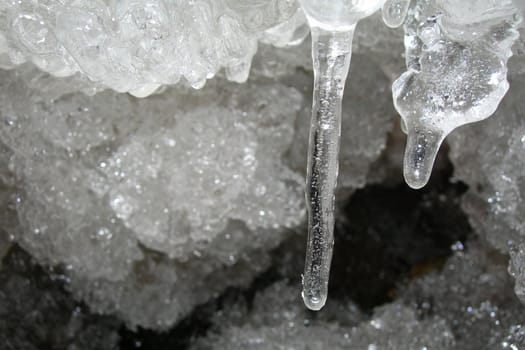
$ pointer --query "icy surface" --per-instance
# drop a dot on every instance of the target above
(456, 57)
(137, 46)
(117, 190)
(469, 304)
(112, 161)
(278, 320)
(102, 181)
(491, 158)
(473, 293)
(394, 12)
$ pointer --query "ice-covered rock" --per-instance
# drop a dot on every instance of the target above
(278, 320)
(146, 202)
(103, 181)
(466, 304)
(490, 158)
(473, 293)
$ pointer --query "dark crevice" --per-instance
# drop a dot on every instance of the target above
(385, 235)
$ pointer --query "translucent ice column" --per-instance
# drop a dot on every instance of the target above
(332, 24)
(457, 55)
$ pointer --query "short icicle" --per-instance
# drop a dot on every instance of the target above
(420, 153)
(331, 53)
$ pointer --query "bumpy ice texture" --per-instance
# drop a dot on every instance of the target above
(394, 12)
(117, 190)
(85, 181)
(456, 56)
(102, 182)
(136, 46)
(490, 158)
(469, 304)
(278, 320)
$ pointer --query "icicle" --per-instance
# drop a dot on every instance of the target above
(456, 73)
(331, 53)
(332, 25)
(394, 12)
(421, 151)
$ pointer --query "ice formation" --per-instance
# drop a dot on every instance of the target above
(285, 324)
(104, 186)
(456, 56)
(491, 158)
(136, 46)
(154, 206)
(475, 309)
(87, 181)
(332, 25)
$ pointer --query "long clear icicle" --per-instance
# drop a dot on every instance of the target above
(331, 53)
(332, 23)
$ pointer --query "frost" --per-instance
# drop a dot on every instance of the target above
(468, 304)
(102, 180)
(277, 322)
(117, 190)
(490, 159)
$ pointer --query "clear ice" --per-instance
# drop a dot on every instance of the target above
(456, 55)
(332, 26)
(394, 12)
(137, 46)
